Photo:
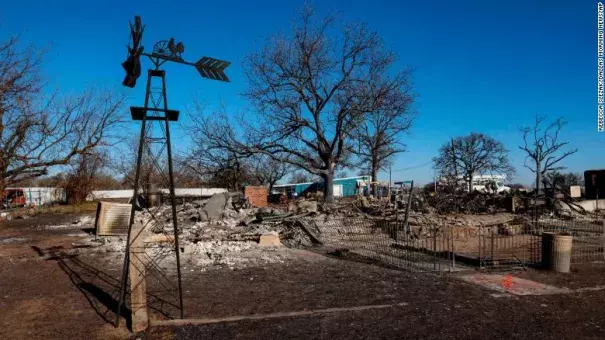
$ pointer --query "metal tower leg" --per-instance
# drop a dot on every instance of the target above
(173, 199)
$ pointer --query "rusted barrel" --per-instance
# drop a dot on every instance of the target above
(556, 251)
(154, 199)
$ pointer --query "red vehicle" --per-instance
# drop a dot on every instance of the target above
(12, 198)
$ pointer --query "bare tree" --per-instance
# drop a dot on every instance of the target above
(124, 163)
(267, 171)
(340, 174)
(474, 154)
(380, 134)
(543, 148)
(300, 177)
(311, 90)
(38, 132)
(430, 187)
(555, 180)
(82, 179)
(184, 176)
(515, 186)
(217, 167)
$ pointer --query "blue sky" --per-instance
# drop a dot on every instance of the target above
(481, 66)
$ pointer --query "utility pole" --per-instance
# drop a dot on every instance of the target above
(390, 183)
(455, 175)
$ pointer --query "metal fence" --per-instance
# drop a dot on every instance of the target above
(588, 236)
(446, 248)
(418, 249)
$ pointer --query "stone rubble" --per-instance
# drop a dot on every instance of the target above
(220, 232)
(212, 233)
(81, 222)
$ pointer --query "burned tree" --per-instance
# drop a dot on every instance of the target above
(38, 131)
(124, 163)
(217, 166)
(467, 156)
(543, 148)
(311, 90)
(300, 177)
(380, 133)
(555, 180)
(267, 171)
(82, 178)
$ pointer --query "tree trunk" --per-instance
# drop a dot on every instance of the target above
(374, 178)
(538, 177)
(2, 186)
(470, 182)
(328, 187)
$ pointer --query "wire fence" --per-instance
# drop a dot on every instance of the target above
(588, 235)
(418, 249)
(447, 248)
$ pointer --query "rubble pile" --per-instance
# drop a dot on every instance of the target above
(219, 231)
(224, 230)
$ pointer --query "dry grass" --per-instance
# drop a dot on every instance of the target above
(81, 208)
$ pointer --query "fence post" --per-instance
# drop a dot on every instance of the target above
(435, 248)
(482, 246)
(453, 247)
(138, 286)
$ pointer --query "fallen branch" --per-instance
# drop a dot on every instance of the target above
(307, 229)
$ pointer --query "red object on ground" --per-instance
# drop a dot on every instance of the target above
(508, 281)
(13, 198)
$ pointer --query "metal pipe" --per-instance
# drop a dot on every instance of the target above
(173, 200)
(407, 209)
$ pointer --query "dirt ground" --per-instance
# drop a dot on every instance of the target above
(52, 286)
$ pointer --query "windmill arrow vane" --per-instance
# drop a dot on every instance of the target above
(212, 68)
(163, 51)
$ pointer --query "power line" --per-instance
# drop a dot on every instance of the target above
(413, 167)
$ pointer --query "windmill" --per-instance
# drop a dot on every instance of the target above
(153, 143)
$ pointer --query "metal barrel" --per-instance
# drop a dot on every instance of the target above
(556, 251)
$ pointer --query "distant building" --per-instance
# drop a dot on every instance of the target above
(343, 187)
(481, 183)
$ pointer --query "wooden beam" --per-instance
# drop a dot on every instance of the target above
(182, 322)
(138, 285)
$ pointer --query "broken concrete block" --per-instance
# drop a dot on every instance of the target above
(213, 210)
(307, 206)
(293, 207)
(159, 238)
(269, 240)
(302, 206)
